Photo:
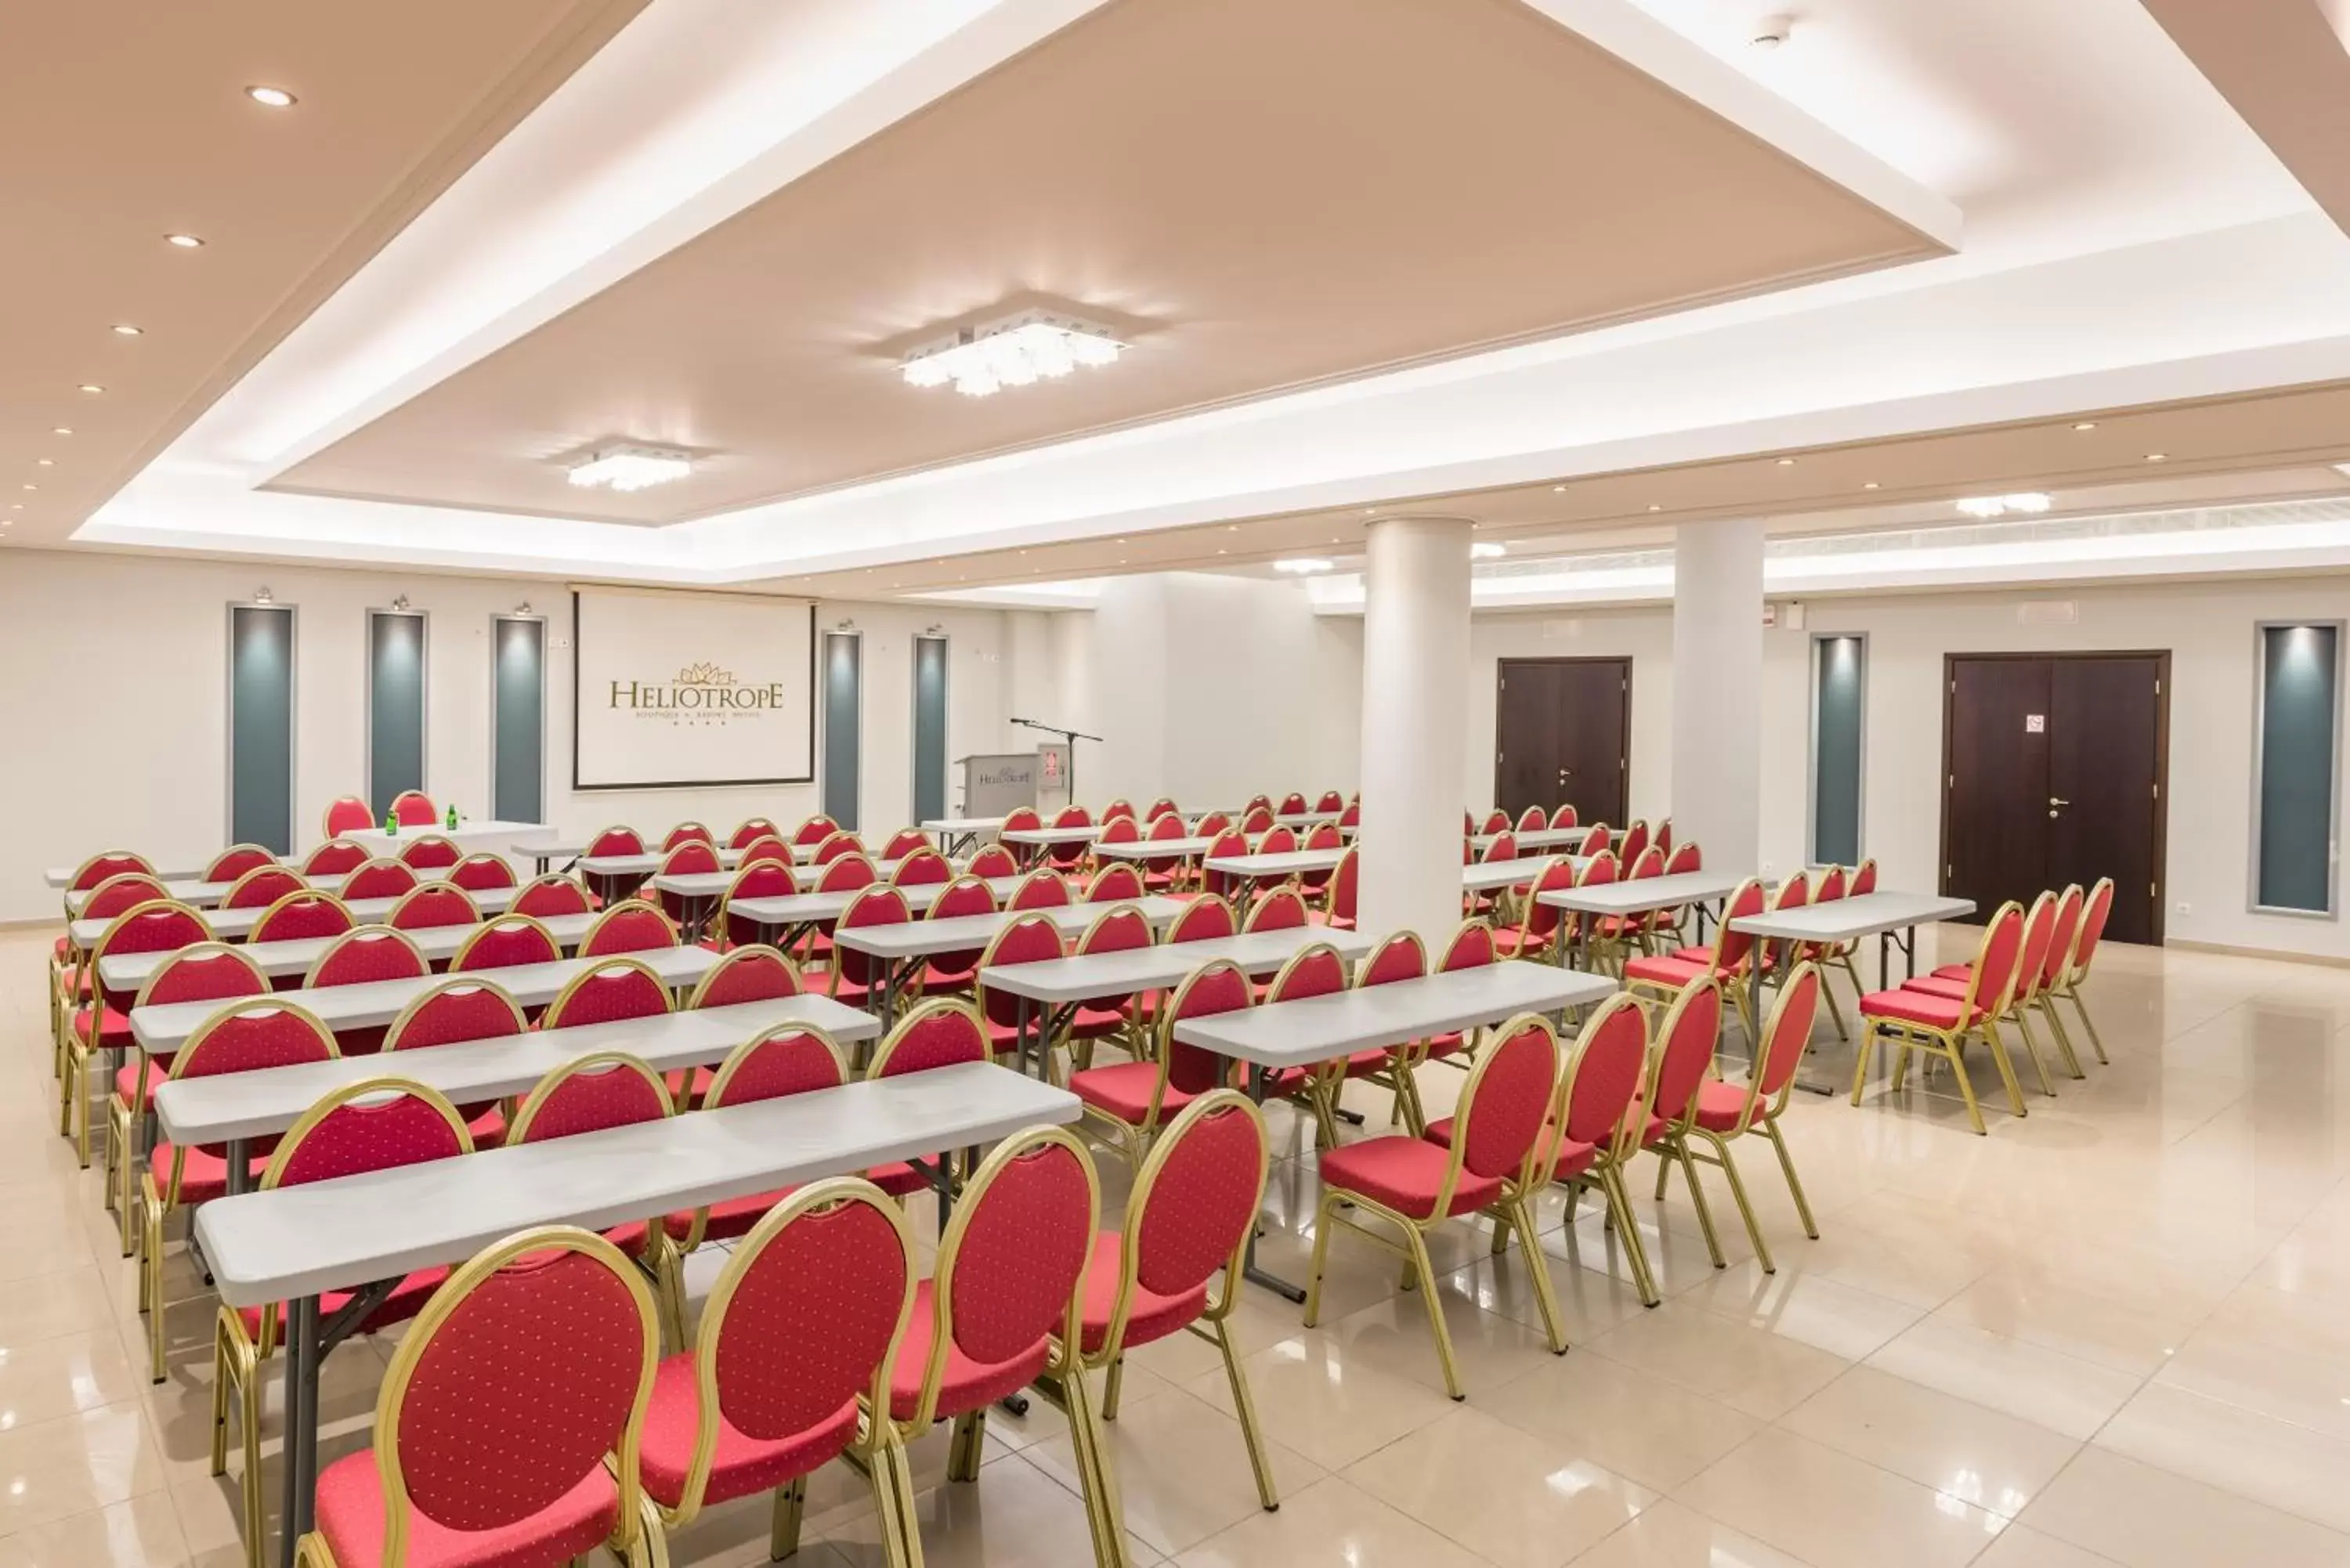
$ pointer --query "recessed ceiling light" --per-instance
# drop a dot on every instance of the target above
(1786, 462)
(2157, 457)
(1221, 551)
(2086, 425)
(1016, 351)
(45, 462)
(92, 387)
(124, 329)
(184, 241)
(62, 429)
(32, 487)
(1301, 565)
(1771, 31)
(627, 468)
(1555, 489)
(1484, 551)
(271, 96)
(1870, 485)
(1654, 507)
(1232, 528)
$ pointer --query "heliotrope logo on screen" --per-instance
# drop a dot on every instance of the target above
(702, 693)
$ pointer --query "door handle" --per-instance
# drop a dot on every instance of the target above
(2055, 801)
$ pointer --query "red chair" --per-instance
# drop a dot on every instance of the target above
(854, 978)
(378, 878)
(787, 1059)
(1540, 926)
(1496, 821)
(1120, 882)
(102, 1023)
(365, 954)
(483, 874)
(544, 897)
(2083, 952)
(1474, 944)
(241, 1037)
(1257, 803)
(1276, 909)
(334, 858)
(756, 879)
(1203, 920)
(236, 860)
(1117, 830)
(2039, 933)
(1338, 905)
(960, 899)
(301, 916)
(752, 830)
(632, 927)
(1531, 820)
(1211, 824)
(1636, 839)
(1043, 888)
(261, 886)
(430, 853)
(1331, 800)
(1125, 1102)
(1494, 1163)
(608, 993)
(1677, 1083)
(994, 860)
(835, 846)
(1165, 872)
(688, 857)
(1562, 816)
(377, 1125)
(1596, 839)
(762, 851)
(1121, 810)
(596, 1094)
(1292, 805)
(507, 1414)
(503, 943)
(607, 842)
(904, 842)
(1257, 820)
(435, 904)
(1032, 939)
(1352, 817)
(1679, 860)
(688, 833)
(1661, 977)
(347, 814)
(2042, 987)
(1321, 835)
(943, 1032)
(1226, 843)
(815, 830)
(750, 974)
(413, 808)
(924, 868)
(456, 1012)
(1161, 807)
(1278, 840)
(1315, 969)
(208, 971)
(1068, 856)
(799, 1336)
(1907, 1021)
(1120, 928)
(1619, 934)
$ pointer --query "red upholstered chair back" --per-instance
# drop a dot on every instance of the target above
(348, 813)
(994, 860)
(1218, 986)
(207, 972)
(301, 915)
(788, 1059)
(530, 1366)
(1022, 818)
(1541, 920)
(757, 879)
(1205, 918)
(1650, 862)
(1400, 957)
(1292, 805)
(1073, 816)
(1636, 839)
(607, 992)
(1598, 871)
(365, 954)
(688, 833)
(1996, 958)
(615, 840)
(608, 1089)
(1118, 882)
(1830, 887)
(1276, 909)
(1793, 893)
(2093, 925)
(1161, 807)
(553, 894)
(752, 830)
(381, 1124)
(483, 873)
(430, 853)
(904, 842)
(503, 943)
(1531, 820)
(1788, 1031)
(1731, 948)
(1258, 803)
(1596, 840)
(765, 850)
(1352, 816)
(1119, 829)
(752, 973)
(248, 1036)
(1071, 853)
(1227, 842)
(1278, 841)
(1684, 858)
(1496, 821)
(1032, 939)
(1603, 1080)
(940, 1032)
(963, 897)
(236, 860)
(1257, 819)
(815, 830)
(2039, 935)
(1562, 816)
(1864, 879)
(124, 890)
(838, 846)
(846, 874)
(1316, 971)
(454, 1011)
(1687, 1037)
(435, 904)
(1013, 1259)
(379, 878)
(1043, 888)
(1343, 883)
(107, 863)
(1502, 846)
(1118, 809)
(1197, 1195)
(261, 886)
(1324, 835)
(1472, 946)
(632, 926)
(414, 808)
(2060, 940)
(1330, 800)
(689, 856)
(1506, 1102)
(876, 904)
(1211, 824)
(925, 868)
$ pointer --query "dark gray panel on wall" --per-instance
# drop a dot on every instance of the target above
(261, 726)
(395, 706)
(929, 728)
(843, 708)
(518, 719)
(1839, 702)
(2300, 705)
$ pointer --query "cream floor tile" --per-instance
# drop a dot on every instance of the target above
(1640, 1425)
(1331, 1410)
(76, 1464)
(2143, 1517)
(2021, 1546)
(142, 1532)
(1394, 1336)
(1182, 1469)
(2069, 1397)
(1835, 1511)
(1749, 1369)
(70, 1302)
(1810, 1308)
(2302, 1383)
(1513, 1498)
(1330, 1524)
(1590, 1302)
(2276, 1462)
(1668, 1535)
(2073, 1323)
(1962, 1451)
(1014, 1516)
(72, 1372)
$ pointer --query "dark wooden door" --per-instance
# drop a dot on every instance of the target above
(1562, 735)
(2053, 773)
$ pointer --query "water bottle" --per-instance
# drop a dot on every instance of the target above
(453, 817)
(390, 822)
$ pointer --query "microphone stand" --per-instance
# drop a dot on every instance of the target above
(1072, 737)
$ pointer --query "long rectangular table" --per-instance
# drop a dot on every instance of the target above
(1645, 895)
(794, 913)
(128, 972)
(236, 925)
(191, 871)
(900, 946)
(960, 832)
(295, 1243)
(1539, 837)
(1154, 849)
(486, 835)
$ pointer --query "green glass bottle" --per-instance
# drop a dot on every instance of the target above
(391, 823)
(453, 817)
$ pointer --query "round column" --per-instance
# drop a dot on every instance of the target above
(1718, 692)
(1415, 724)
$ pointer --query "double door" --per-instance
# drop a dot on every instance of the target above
(2052, 774)
(1562, 735)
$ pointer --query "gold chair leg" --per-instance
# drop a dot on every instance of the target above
(1704, 1213)
(1999, 1060)
(1836, 1013)
(1322, 1227)
(1113, 1383)
(1539, 1267)
(1745, 1204)
(1966, 1089)
(2031, 1046)
(1428, 1296)
(1860, 1058)
(901, 1525)
(1904, 1047)
(1106, 1514)
(1244, 1406)
(784, 1523)
(2047, 1005)
(2073, 995)
(1794, 1184)
(222, 1375)
(1636, 1251)
(122, 1188)
(965, 1446)
(151, 1267)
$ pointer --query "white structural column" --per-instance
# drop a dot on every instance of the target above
(1718, 691)
(1415, 724)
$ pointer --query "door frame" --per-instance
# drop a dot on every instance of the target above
(2161, 655)
(1500, 673)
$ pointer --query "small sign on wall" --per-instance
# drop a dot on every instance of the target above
(2035, 724)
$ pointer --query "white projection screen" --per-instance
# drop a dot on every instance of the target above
(671, 690)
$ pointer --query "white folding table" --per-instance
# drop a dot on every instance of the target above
(1537, 837)
(236, 925)
(1892, 917)
(958, 834)
(906, 943)
(128, 972)
(62, 876)
(488, 834)
(793, 914)
(1031, 841)
(1642, 897)
(295, 1243)
(1154, 849)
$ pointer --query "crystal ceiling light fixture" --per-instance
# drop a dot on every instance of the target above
(2001, 505)
(1014, 351)
(626, 468)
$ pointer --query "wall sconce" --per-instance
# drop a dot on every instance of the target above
(260, 596)
(400, 603)
(523, 609)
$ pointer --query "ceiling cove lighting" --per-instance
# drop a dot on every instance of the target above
(1485, 550)
(2001, 505)
(626, 468)
(1016, 351)
(1301, 565)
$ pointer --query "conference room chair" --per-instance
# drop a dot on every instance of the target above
(787, 1059)
(953, 971)
(457, 1012)
(1021, 819)
(605, 843)
(940, 1031)
(1279, 909)
(1794, 893)
(1906, 1020)
(687, 858)
(1562, 816)
(608, 993)
(1596, 840)
(1068, 857)
(1043, 888)
(1496, 901)
(237, 1039)
(1119, 810)
(101, 1020)
(925, 868)
(435, 904)
(307, 914)
(2043, 986)
(2031, 961)
(1161, 807)
(1120, 928)
(1257, 803)
(261, 886)
(503, 942)
(767, 848)
(688, 833)
(1399, 956)
(1331, 800)
(1636, 839)
(1472, 945)
(753, 972)
(1321, 835)
(379, 878)
(1257, 820)
(1117, 830)
(1351, 816)
(1537, 930)
(360, 956)
(904, 842)
(379, 1124)
(1003, 1311)
(1312, 1088)
(836, 845)
(994, 860)
(1226, 842)
(852, 978)
(1280, 839)
(2083, 953)
(752, 829)
(537, 1452)
(1665, 832)
(1174, 1263)
(347, 813)
(483, 873)
(433, 851)
(207, 972)
(1859, 881)
(235, 861)
(544, 898)
(1619, 934)
(1678, 1080)
(1667, 926)
(1828, 887)
(1032, 939)
(597, 1092)
(1124, 1103)
(755, 879)
(1117, 882)
(1496, 821)
(1338, 901)
(1291, 804)
(1164, 873)
(1658, 979)
(815, 830)
(334, 858)
(795, 1346)
(1211, 824)
(1492, 1164)
(413, 808)
(65, 975)
(632, 926)
(1203, 920)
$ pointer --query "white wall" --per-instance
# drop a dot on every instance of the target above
(115, 706)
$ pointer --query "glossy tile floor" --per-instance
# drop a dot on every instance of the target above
(2116, 1332)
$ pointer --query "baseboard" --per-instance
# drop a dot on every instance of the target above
(2323, 961)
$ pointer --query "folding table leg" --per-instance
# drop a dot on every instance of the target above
(1249, 1271)
(301, 1447)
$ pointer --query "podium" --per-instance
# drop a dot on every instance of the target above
(994, 782)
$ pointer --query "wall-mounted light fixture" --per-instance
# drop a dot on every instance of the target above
(400, 603)
(260, 596)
